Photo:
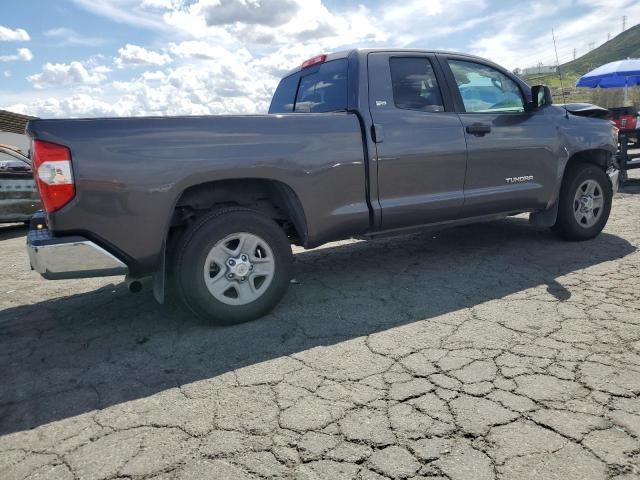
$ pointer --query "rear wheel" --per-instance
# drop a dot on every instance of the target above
(584, 202)
(232, 266)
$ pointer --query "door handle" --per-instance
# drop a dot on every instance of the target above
(478, 129)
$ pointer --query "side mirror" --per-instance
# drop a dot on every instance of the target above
(540, 97)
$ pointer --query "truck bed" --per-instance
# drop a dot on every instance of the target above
(131, 172)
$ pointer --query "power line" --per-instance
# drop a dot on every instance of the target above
(535, 59)
(553, 35)
(565, 54)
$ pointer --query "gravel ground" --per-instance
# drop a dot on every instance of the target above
(489, 351)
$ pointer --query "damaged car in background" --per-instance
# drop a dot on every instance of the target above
(18, 194)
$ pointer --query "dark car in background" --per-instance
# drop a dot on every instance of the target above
(628, 122)
(18, 194)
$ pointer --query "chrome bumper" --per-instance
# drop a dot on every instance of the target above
(70, 257)
(614, 177)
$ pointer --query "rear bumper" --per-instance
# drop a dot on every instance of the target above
(69, 256)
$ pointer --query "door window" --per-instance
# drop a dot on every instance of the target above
(414, 85)
(486, 90)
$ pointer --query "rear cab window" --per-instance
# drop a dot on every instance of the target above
(313, 90)
(414, 84)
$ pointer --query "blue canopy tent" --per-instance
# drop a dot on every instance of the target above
(620, 74)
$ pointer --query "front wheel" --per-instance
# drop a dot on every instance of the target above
(584, 202)
(233, 265)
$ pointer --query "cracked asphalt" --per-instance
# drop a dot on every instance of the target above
(491, 351)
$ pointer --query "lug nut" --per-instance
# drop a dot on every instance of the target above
(231, 262)
(230, 275)
(250, 267)
(244, 258)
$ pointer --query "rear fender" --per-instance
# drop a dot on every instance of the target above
(240, 191)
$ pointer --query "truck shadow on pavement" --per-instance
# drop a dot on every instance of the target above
(64, 357)
(13, 231)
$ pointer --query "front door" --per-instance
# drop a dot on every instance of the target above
(421, 149)
(513, 153)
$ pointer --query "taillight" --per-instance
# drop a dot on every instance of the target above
(53, 174)
(628, 122)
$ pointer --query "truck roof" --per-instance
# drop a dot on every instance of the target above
(364, 51)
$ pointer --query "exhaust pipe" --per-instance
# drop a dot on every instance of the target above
(135, 284)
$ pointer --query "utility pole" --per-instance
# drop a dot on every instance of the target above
(608, 36)
(574, 53)
(624, 23)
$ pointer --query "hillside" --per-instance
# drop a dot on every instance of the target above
(626, 44)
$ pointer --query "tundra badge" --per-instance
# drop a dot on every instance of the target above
(523, 179)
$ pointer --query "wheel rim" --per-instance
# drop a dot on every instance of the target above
(239, 268)
(588, 203)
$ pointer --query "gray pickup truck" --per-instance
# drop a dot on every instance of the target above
(360, 143)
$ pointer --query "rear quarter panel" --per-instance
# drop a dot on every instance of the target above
(130, 172)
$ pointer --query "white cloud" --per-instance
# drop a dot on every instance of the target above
(226, 56)
(102, 69)
(254, 24)
(62, 74)
(17, 35)
(161, 4)
(130, 12)
(23, 54)
(81, 104)
(68, 37)
(204, 50)
(233, 82)
(416, 20)
(134, 56)
(254, 12)
(510, 41)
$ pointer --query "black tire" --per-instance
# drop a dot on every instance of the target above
(197, 242)
(567, 226)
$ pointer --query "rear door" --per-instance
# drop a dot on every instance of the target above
(421, 149)
(512, 153)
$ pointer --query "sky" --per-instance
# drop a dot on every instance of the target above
(89, 58)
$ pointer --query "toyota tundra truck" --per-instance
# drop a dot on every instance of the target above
(356, 144)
